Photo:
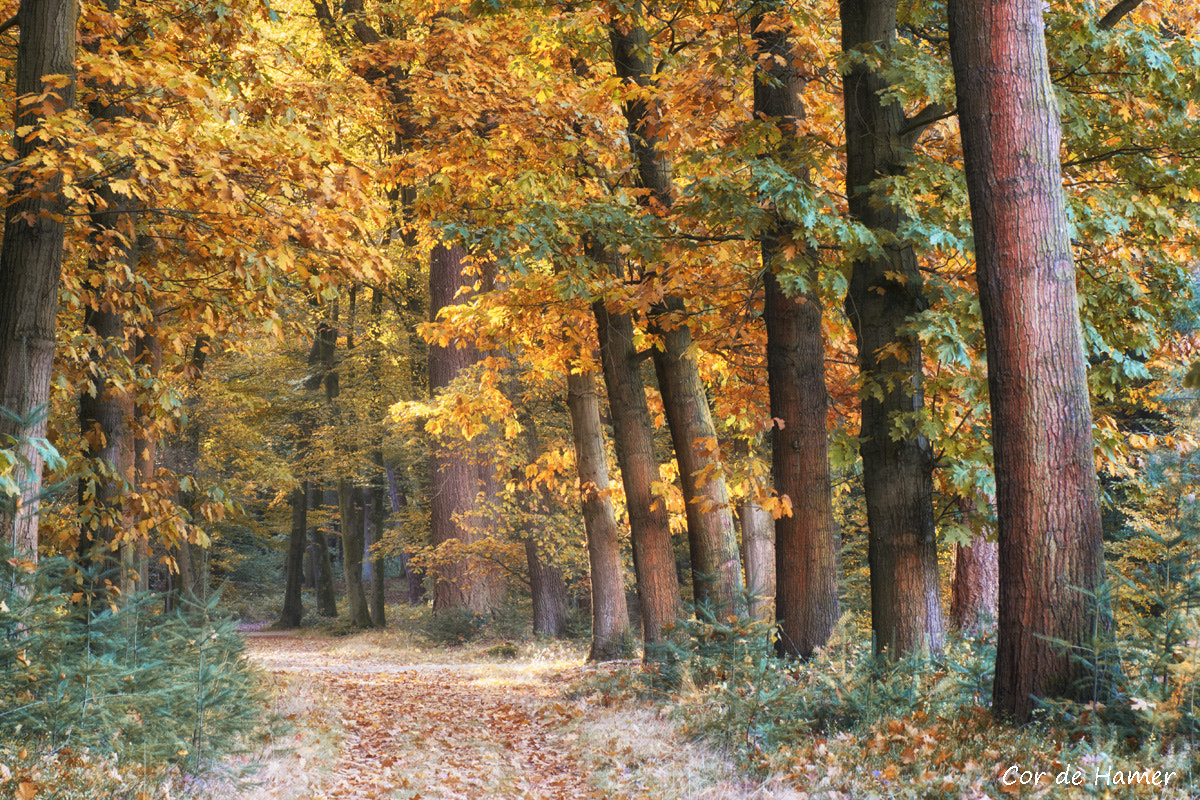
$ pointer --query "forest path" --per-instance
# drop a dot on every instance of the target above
(431, 730)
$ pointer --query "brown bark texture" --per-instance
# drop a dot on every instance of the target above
(633, 434)
(885, 293)
(712, 538)
(353, 546)
(549, 593)
(463, 583)
(758, 554)
(1047, 495)
(806, 545)
(611, 634)
(293, 604)
(31, 257)
(974, 589)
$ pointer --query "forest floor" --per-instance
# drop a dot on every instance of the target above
(371, 716)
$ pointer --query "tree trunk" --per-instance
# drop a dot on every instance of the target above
(326, 599)
(758, 554)
(975, 586)
(190, 558)
(415, 578)
(293, 606)
(462, 583)
(349, 507)
(31, 257)
(885, 293)
(1047, 495)
(806, 545)
(147, 357)
(611, 633)
(653, 554)
(712, 538)
(376, 516)
(549, 593)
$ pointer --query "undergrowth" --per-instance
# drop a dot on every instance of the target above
(102, 698)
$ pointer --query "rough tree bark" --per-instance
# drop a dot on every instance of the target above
(611, 634)
(31, 258)
(885, 293)
(806, 546)
(1047, 495)
(633, 434)
(712, 538)
(454, 479)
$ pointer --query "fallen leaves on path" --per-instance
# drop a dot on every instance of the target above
(430, 730)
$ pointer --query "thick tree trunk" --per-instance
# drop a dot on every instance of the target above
(1047, 496)
(326, 599)
(31, 257)
(758, 554)
(806, 546)
(293, 606)
(885, 293)
(549, 593)
(653, 553)
(974, 590)
(611, 634)
(454, 481)
(350, 507)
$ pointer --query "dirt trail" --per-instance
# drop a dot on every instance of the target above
(431, 730)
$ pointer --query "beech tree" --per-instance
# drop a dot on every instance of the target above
(1051, 605)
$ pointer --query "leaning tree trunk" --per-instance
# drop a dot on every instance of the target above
(649, 526)
(31, 258)
(611, 634)
(806, 546)
(885, 293)
(1047, 496)
(712, 538)
(462, 583)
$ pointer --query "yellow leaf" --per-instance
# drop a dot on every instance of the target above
(26, 791)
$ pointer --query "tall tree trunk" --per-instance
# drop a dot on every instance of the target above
(293, 606)
(31, 257)
(974, 590)
(462, 583)
(190, 558)
(712, 538)
(806, 546)
(1047, 496)
(885, 292)
(350, 506)
(147, 357)
(378, 600)
(549, 592)
(326, 599)
(650, 530)
(758, 554)
(611, 633)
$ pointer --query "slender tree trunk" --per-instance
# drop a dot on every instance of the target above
(653, 553)
(326, 599)
(350, 506)
(414, 577)
(465, 582)
(806, 546)
(31, 257)
(1047, 495)
(147, 357)
(712, 537)
(378, 601)
(189, 557)
(293, 606)
(611, 634)
(885, 293)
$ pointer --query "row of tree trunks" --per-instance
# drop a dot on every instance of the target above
(806, 545)
(716, 565)
(885, 293)
(611, 634)
(1047, 495)
(31, 258)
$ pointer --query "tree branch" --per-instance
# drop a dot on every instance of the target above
(1118, 13)
(916, 125)
(8, 24)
